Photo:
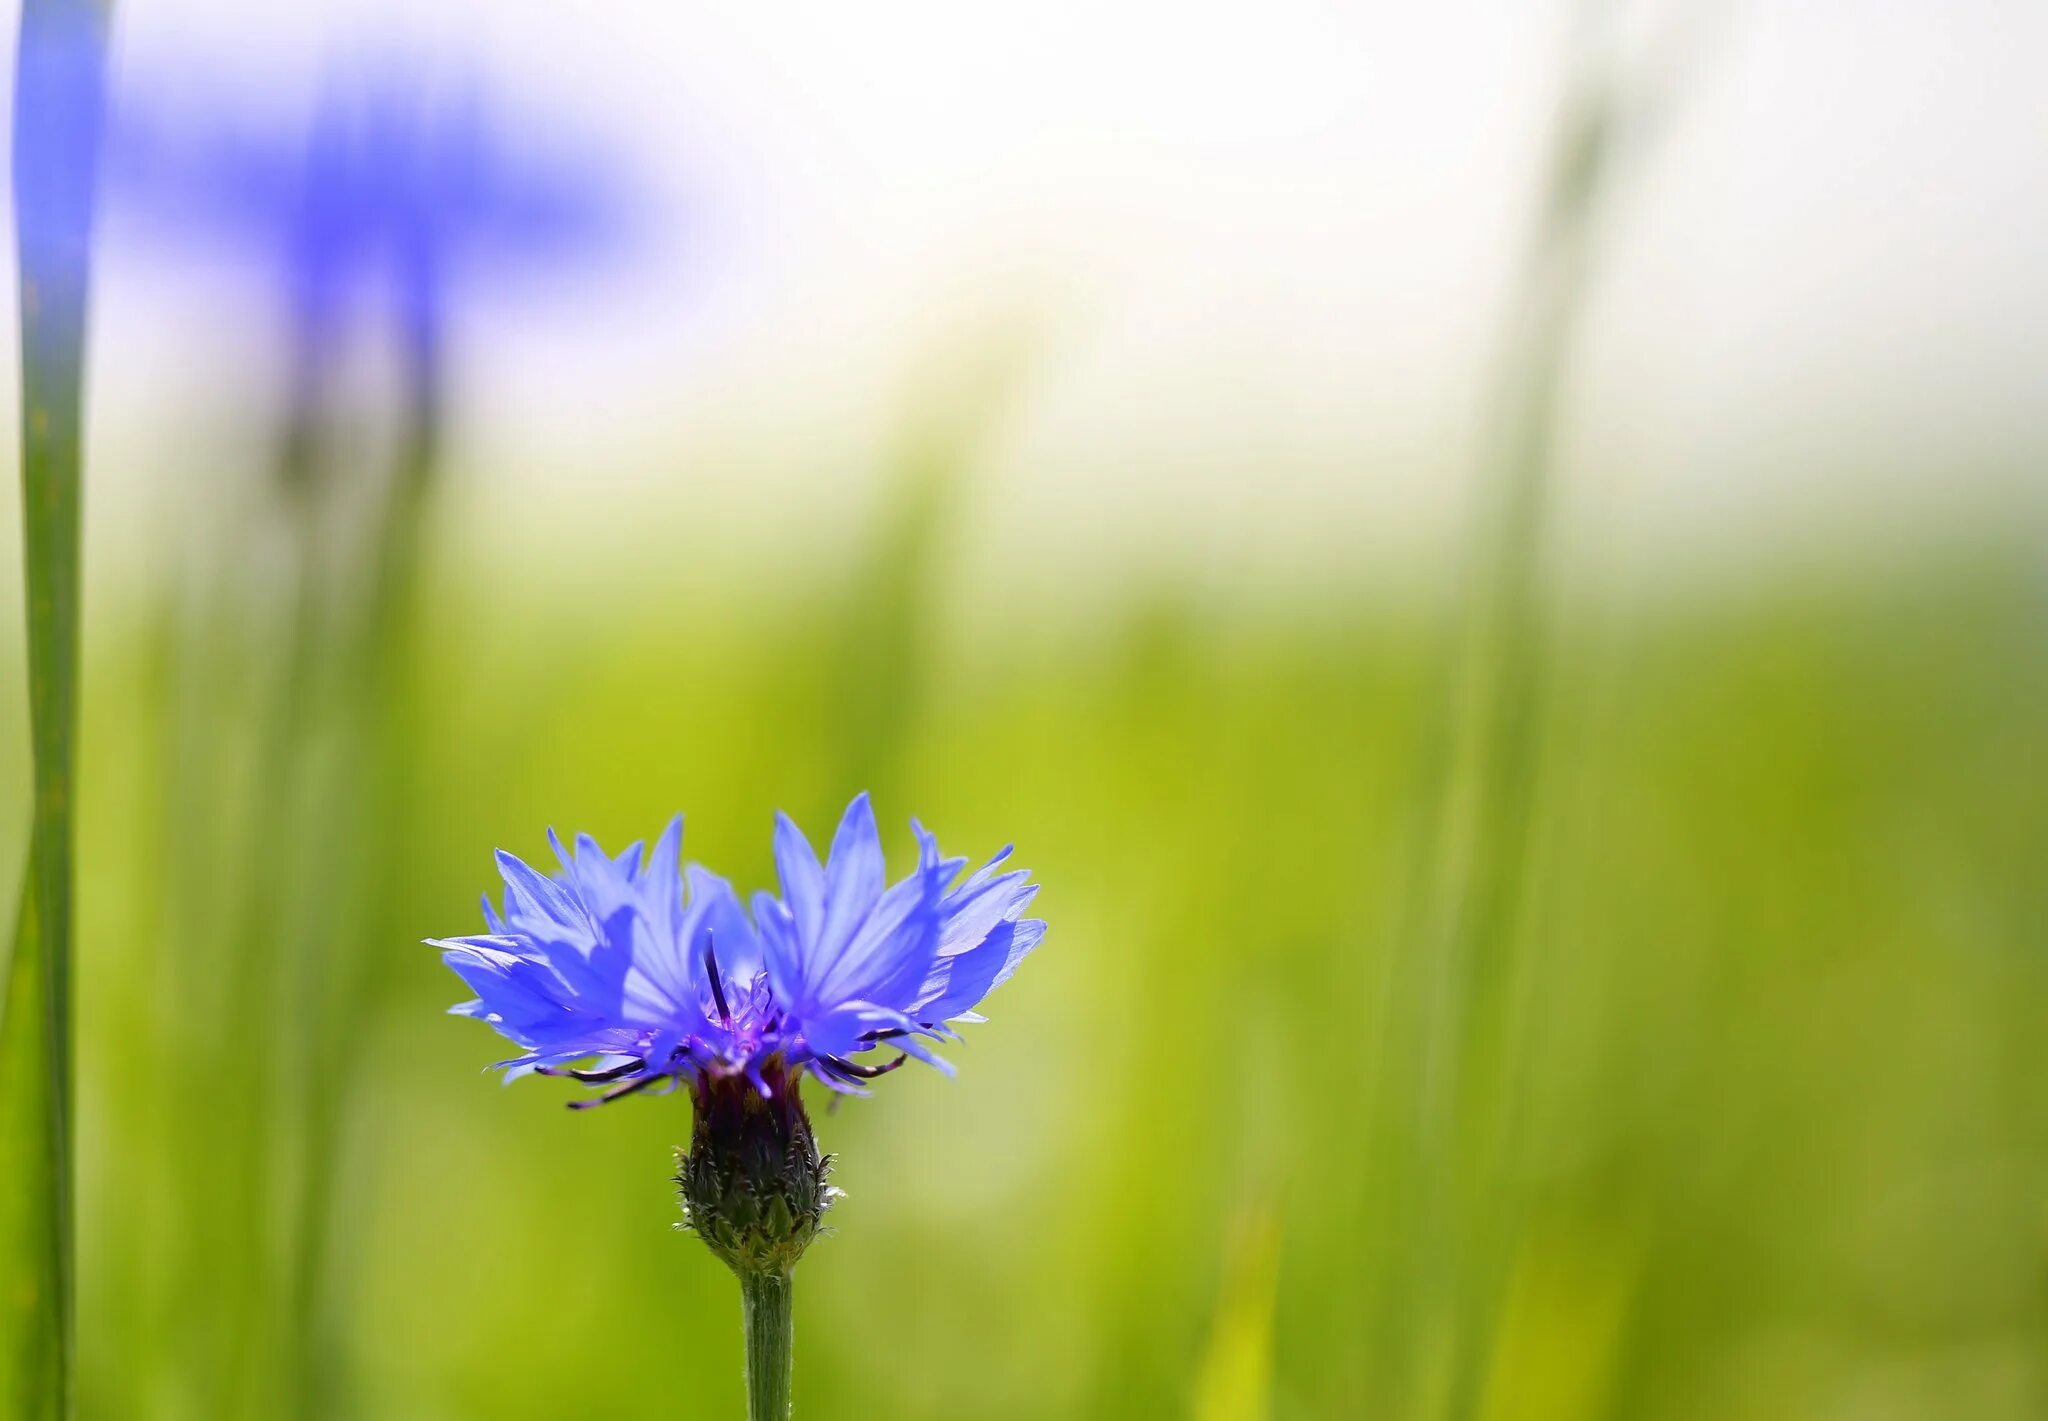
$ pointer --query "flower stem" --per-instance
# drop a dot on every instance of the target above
(764, 1302)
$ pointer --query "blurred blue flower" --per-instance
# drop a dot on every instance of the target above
(394, 181)
(654, 972)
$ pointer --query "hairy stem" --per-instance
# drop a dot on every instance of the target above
(765, 1305)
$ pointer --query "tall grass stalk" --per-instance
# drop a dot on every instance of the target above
(1471, 967)
(59, 86)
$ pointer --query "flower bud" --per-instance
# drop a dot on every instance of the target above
(752, 1182)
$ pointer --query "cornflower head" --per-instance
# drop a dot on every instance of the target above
(396, 181)
(402, 192)
(637, 972)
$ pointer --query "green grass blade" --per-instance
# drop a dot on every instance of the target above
(1487, 763)
(32, 1268)
(59, 93)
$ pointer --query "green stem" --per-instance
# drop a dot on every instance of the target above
(60, 69)
(764, 1302)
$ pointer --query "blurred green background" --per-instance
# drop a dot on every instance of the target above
(1750, 1124)
(1551, 984)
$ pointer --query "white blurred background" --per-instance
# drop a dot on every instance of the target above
(1251, 265)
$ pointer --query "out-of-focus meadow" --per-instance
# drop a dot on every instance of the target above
(1526, 969)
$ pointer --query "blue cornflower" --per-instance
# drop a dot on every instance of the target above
(636, 970)
(396, 182)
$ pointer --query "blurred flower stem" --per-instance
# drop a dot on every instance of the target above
(58, 112)
(374, 655)
(342, 693)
